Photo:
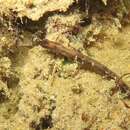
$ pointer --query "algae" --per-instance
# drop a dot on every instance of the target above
(40, 90)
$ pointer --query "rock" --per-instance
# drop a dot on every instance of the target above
(34, 9)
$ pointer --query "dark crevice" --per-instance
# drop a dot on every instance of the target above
(3, 96)
(45, 123)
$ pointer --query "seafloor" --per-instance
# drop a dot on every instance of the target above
(40, 90)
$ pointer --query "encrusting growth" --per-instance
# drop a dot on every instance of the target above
(86, 62)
